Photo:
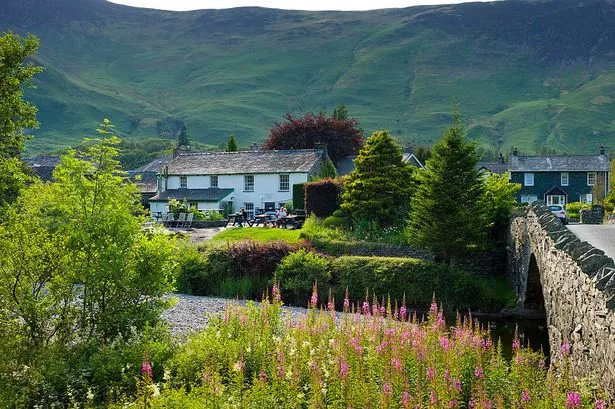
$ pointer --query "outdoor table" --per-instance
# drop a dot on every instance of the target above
(294, 220)
(237, 219)
(264, 219)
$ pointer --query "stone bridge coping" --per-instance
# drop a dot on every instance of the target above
(592, 261)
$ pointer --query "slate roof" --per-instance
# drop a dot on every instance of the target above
(213, 194)
(498, 168)
(346, 165)
(154, 166)
(43, 165)
(147, 183)
(579, 163)
(245, 162)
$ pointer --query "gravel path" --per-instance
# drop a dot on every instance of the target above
(191, 312)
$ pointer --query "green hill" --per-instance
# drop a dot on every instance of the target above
(536, 75)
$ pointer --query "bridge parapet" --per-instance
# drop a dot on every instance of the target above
(550, 268)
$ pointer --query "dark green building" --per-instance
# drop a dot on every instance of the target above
(560, 179)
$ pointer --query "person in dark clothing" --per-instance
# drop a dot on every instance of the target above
(242, 217)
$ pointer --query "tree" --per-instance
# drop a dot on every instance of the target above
(380, 188)
(340, 112)
(182, 138)
(447, 216)
(342, 137)
(16, 114)
(499, 201)
(231, 145)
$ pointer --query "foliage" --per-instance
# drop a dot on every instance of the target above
(16, 114)
(499, 200)
(342, 137)
(327, 170)
(380, 187)
(322, 197)
(446, 214)
(418, 280)
(258, 234)
(299, 196)
(134, 154)
(231, 145)
(77, 267)
(340, 112)
(182, 139)
(251, 357)
(298, 272)
(176, 207)
(574, 209)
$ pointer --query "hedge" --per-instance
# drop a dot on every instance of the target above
(323, 196)
(419, 280)
(299, 196)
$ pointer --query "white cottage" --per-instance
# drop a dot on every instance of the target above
(249, 179)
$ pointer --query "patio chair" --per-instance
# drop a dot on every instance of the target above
(188, 221)
(181, 220)
(168, 222)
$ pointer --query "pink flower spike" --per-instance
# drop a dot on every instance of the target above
(346, 301)
(314, 299)
(525, 396)
(573, 400)
(478, 372)
(275, 292)
(565, 348)
(146, 368)
(600, 404)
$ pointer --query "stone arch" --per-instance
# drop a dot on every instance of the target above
(534, 298)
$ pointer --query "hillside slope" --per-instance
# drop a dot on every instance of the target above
(530, 74)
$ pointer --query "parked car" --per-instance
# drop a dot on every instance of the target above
(559, 211)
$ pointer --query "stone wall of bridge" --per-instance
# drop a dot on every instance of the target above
(574, 282)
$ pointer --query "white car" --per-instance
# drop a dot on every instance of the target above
(559, 211)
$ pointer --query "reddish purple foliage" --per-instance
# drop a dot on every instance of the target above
(343, 137)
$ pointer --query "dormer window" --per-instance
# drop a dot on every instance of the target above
(183, 182)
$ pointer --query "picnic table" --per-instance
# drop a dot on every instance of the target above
(295, 221)
(237, 219)
(263, 219)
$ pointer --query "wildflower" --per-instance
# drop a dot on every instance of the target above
(444, 342)
(433, 399)
(90, 395)
(280, 361)
(314, 299)
(365, 308)
(478, 372)
(542, 364)
(430, 373)
(600, 404)
(487, 404)
(387, 388)
(262, 375)
(565, 348)
(146, 368)
(396, 363)
(405, 399)
(155, 390)
(573, 400)
(275, 292)
(525, 396)
(346, 301)
(452, 403)
(239, 365)
(344, 369)
(516, 345)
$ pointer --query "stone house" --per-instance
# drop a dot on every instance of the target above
(559, 179)
(257, 179)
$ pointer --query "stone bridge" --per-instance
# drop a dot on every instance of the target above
(574, 283)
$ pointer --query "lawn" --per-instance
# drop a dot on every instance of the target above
(259, 234)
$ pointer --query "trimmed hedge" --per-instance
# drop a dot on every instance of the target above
(419, 280)
(323, 196)
(299, 196)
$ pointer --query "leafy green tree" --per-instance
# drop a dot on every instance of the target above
(499, 201)
(182, 138)
(231, 145)
(76, 266)
(380, 187)
(16, 114)
(447, 215)
(340, 112)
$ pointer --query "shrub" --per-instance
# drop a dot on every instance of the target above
(193, 267)
(574, 209)
(298, 271)
(419, 280)
(323, 196)
(335, 222)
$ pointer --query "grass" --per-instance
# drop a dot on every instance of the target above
(263, 234)
(396, 69)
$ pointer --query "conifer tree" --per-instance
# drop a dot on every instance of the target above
(182, 138)
(380, 187)
(447, 215)
(231, 145)
(340, 112)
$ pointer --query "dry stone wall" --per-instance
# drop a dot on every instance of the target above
(578, 286)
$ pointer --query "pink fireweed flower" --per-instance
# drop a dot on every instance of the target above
(525, 396)
(239, 365)
(146, 368)
(430, 373)
(433, 399)
(396, 364)
(600, 404)
(565, 348)
(444, 342)
(280, 361)
(346, 301)
(433, 309)
(405, 399)
(542, 364)
(402, 313)
(262, 375)
(452, 404)
(573, 400)
(478, 372)
(487, 404)
(516, 345)
(457, 385)
(344, 369)
(387, 388)
(365, 308)
(275, 292)
(314, 299)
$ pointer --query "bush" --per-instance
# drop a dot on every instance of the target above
(298, 272)
(192, 270)
(419, 280)
(299, 196)
(574, 209)
(323, 197)
(335, 222)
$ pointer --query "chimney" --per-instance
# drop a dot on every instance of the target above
(501, 158)
(254, 147)
(321, 146)
(602, 150)
(408, 147)
(515, 152)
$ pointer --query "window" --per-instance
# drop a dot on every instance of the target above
(528, 198)
(591, 178)
(284, 183)
(213, 181)
(249, 208)
(588, 198)
(564, 179)
(183, 182)
(248, 183)
(556, 200)
(528, 179)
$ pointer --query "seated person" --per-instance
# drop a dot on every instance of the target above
(281, 215)
(241, 217)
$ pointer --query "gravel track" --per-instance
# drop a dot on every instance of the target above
(192, 313)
